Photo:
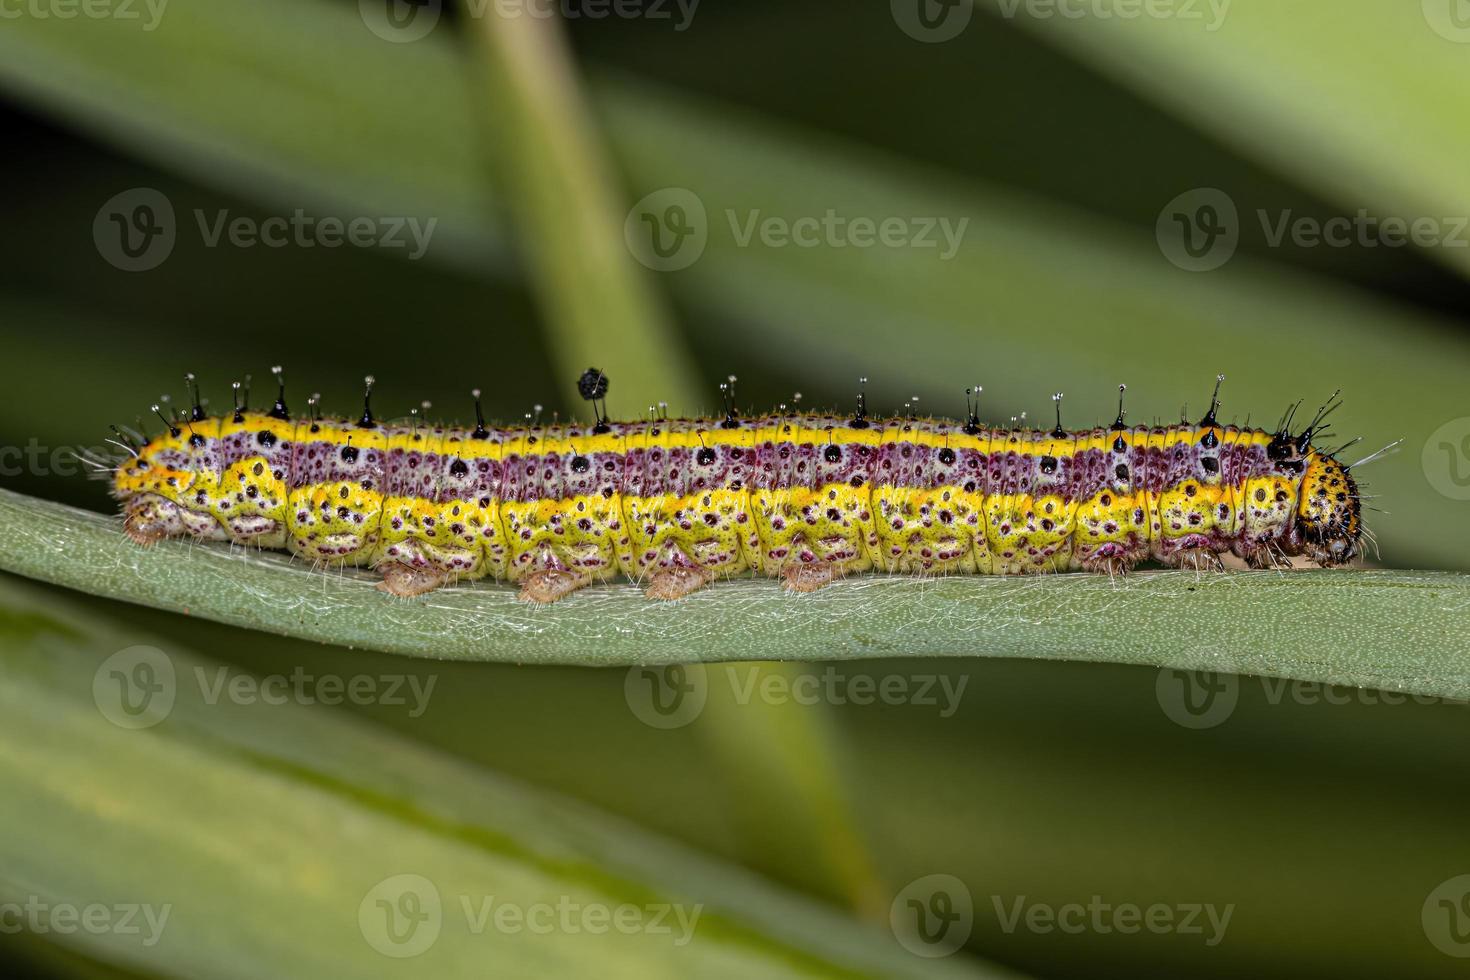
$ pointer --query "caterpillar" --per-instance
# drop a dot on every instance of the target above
(678, 503)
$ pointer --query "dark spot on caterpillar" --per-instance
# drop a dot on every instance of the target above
(1260, 495)
(1047, 525)
(342, 512)
(580, 464)
(1106, 500)
(251, 492)
(832, 454)
(1121, 471)
(349, 454)
(343, 493)
(1190, 489)
(1210, 463)
(1209, 441)
(266, 438)
(946, 456)
(1048, 464)
(1119, 446)
(705, 456)
(458, 468)
(258, 468)
(195, 439)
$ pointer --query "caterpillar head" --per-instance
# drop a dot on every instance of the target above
(1328, 514)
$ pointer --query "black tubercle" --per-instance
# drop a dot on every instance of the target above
(480, 431)
(972, 414)
(173, 430)
(592, 386)
(1209, 419)
(196, 414)
(1118, 425)
(367, 421)
(1058, 432)
(279, 410)
(727, 393)
(1315, 426)
(860, 415)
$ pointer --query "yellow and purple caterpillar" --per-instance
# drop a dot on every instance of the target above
(678, 503)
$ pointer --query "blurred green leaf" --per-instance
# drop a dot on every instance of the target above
(1281, 81)
(1400, 631)
(266, 830)
(600, 307)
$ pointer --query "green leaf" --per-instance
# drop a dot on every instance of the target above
(600, 307)
(1279, 80)
(1402, 631)
(267, 830)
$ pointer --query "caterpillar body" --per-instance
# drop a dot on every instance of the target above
(678, 503)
